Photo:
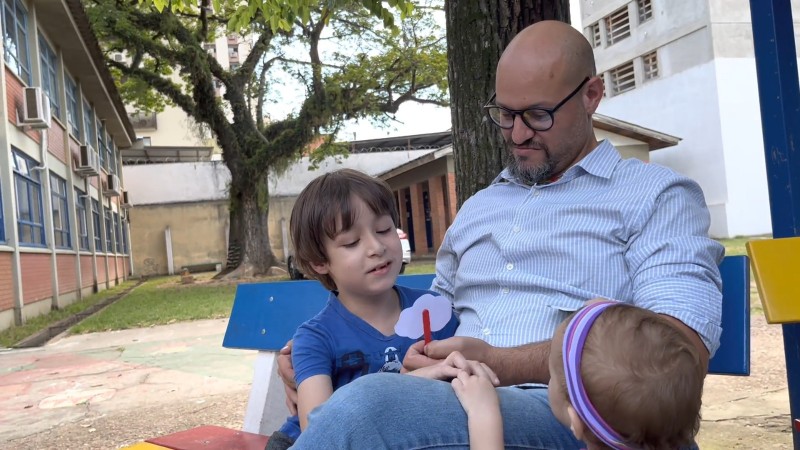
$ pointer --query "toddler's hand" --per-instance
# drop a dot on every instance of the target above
(475, 390)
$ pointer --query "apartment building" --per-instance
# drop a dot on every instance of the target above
(688, 69)
(63, 216)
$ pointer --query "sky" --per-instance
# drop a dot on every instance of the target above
(417, 118)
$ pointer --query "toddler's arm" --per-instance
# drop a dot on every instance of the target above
(478, 397)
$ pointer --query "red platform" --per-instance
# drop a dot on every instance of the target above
(210, 437)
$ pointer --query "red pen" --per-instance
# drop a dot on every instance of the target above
(426, 325)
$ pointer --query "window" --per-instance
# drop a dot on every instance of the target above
(73, 117)
(645, 8)
(88, 122)
(650, 63)
(15, 38)
(111, 157)
(29, 200)
(124, 236)
(618, 26)
(594, 34)
(98, 238)
(233, 51)
(235, 66)
(58, 200)
(622, 78)
(80, 212)
(118, 233)
(49, 78)
(109, 232)
(102, 149)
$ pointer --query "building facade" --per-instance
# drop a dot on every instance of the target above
(63, 220)
(688, 68)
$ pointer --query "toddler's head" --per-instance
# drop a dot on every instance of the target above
(625, 377)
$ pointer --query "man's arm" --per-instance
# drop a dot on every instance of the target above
(514, 365)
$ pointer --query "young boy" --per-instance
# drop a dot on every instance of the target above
(621, 377)
(343, 229)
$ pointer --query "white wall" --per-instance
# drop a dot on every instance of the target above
(150, 184)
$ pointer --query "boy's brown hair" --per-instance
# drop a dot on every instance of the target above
(325, 208)
(643, 376)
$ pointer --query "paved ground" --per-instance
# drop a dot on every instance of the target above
(107, 390)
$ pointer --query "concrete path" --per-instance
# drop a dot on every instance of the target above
(106, 373)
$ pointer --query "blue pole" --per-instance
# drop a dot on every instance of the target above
(779, 94)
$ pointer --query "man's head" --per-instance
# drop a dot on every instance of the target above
(641, 374)
(329, 206)
(540, 68)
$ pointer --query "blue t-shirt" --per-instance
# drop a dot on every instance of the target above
(343, 346)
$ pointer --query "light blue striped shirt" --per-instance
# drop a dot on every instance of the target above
(518, 259)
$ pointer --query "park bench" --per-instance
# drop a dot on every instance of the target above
(265, 316)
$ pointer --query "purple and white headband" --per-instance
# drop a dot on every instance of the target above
(574, 340)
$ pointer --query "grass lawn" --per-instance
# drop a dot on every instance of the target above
(164, 300)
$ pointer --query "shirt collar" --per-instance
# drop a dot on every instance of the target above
(599, 162)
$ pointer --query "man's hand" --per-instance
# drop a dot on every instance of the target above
(454, 364)
(419, 355)
(286, 371)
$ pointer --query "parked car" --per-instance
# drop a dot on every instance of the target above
(296, 274)
(406, 248)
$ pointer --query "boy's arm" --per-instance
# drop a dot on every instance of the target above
(312, 392)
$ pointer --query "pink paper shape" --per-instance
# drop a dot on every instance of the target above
(410, 322)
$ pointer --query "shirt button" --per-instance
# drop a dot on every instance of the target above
(516, 229)
(486, 331)
(505, 290)
(510, 266)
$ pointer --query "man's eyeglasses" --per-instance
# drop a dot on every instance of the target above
(537, 119)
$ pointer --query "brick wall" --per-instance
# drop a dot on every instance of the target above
(36, 281)
(14, 102)
(55, 142)
(452, 199)
(87, 277)
(120, 268)
(101, 269)
(6, 283)
(126, 264)
(67, 279)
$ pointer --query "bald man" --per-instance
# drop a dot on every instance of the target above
(568, 220)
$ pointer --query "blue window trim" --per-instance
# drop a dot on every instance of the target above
(58, 200)
(31, 181)
(90, 137)
(112, 156)
(98, 240)
(101, 142)
(73, 111)
(83, 225)
(16, 43)
(49, 62)
(109, 232)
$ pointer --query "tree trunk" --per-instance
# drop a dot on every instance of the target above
(477, 33)
(248, 237)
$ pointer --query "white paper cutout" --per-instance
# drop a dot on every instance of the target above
(410, 322)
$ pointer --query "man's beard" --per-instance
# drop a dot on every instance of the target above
(529, 176)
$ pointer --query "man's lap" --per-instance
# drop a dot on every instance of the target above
(405, 412)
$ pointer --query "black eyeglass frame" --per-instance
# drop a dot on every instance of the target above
(521, 112)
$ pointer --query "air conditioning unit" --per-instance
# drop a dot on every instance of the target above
(35, 108)
(89, 165)
(126, 203)
(113, 188)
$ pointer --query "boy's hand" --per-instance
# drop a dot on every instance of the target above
(419, 355)
(286, 372)
(475, 390)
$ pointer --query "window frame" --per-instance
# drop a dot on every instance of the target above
(49, 71)
(98, 238)
(73, 108)
(82, 222)
(109, 230)
(62, 238)
(19, 12)
(31, 180)
(90, 137)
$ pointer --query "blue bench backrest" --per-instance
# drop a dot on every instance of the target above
(265, 315)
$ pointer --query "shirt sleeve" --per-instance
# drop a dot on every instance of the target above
(674, 264)
(311, 353)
